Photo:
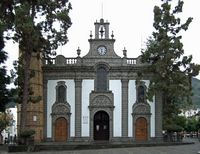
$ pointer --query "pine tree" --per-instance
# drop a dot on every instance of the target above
(39, 26)
(4, 78)
(172, 70)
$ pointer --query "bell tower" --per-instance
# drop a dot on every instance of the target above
(102, 45)
(35, 109)
(102, 29)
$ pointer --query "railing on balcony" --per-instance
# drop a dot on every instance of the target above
(131, 61)
(71, 61)
(66, 61)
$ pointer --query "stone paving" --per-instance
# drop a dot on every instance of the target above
(180, 149)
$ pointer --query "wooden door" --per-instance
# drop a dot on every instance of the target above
(141, 129)
(61, 130)
(101, 126)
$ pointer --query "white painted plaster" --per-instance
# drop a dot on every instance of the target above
(131, 101)
(152, 107)
(115, 87)
(87, 87)
(152, 104)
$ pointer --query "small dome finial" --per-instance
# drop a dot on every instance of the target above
(112, 35)
(78, 52)
(90, 34)
(125, 52)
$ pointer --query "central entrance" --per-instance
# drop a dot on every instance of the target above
(101, 126)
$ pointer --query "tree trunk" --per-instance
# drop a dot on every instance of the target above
(23, 118)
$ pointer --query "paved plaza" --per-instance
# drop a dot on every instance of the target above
(180, 149)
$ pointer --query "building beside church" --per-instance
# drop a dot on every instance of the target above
(95, 97)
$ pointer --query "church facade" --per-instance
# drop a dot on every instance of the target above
(97, 96)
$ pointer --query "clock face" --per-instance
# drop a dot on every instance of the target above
(102, 50)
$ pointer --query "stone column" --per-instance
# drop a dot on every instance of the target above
(124, 107)
(158, 115)
(78, 107)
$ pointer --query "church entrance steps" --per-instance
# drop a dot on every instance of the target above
(56, 146)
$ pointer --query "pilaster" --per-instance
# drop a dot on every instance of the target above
(158, 115)
(124, 107)
(78, 107)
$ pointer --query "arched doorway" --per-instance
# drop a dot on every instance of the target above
(101, 126)
(61, 129)
(141, 129)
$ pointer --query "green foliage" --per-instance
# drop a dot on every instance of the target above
(27, 133)
(173, 128)
(180, 121)
(17, 75)
(172, 71)
(39, 26)
(192, 124)
(4, 78)
(196, 93)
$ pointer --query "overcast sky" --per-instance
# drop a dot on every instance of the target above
(131, 21)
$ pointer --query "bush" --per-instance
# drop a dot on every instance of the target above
(27, 133)
(173, 128)
(26, 137)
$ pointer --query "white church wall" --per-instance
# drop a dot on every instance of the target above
(131, 101)
(152, 106)
(115, 87)
(87, 87)
(51, 98)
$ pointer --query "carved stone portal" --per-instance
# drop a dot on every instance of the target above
(60, 110)
(141, 110)
(101, 101)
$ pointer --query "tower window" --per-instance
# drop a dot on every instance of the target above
(102, 31)
(102, 80)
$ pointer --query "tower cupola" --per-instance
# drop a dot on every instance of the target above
(101, 29)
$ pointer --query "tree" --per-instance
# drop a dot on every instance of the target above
(192, 124)
(39, 26)
(4, 78)
(180, 121)
(172, 71)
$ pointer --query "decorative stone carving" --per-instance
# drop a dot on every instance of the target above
(141, 108)
(60, 108)
(101, 101)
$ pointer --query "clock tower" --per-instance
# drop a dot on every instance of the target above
(102, 45)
